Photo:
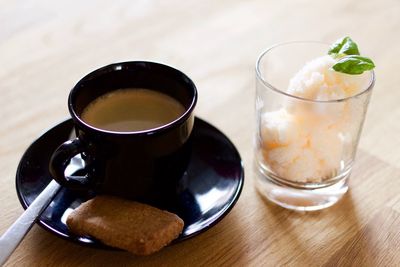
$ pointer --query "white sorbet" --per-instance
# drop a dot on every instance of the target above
(304, 141)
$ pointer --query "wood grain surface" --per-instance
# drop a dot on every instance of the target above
(47, 46)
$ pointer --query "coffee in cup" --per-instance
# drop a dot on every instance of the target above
(132, 110)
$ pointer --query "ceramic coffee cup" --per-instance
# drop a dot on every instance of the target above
(142, 165)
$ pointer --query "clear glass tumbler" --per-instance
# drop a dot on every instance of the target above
(305, 148)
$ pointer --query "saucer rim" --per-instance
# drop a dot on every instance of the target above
(98, 244)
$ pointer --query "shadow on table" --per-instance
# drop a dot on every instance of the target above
(307, 236)
(326, 236)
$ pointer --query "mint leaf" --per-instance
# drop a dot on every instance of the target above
(353, 64)
(344, 46)
(349, 61)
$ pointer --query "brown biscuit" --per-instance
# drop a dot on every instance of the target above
(135, 227)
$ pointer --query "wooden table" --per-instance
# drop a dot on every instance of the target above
(47, 46)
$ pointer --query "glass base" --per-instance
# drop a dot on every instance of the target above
(300, 199)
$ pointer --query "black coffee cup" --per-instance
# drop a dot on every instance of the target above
(144, 165)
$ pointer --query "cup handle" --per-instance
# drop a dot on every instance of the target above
(60, 160)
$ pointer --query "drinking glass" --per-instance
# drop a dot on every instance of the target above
(304, 148)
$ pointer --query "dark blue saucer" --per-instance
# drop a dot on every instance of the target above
(207, 191)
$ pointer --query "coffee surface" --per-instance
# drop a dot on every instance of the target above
(131, 110)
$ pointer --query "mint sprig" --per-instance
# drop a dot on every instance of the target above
(349, 59)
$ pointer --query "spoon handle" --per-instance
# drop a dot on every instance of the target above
(14, 235)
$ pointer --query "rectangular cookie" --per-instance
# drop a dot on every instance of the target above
(129, 225)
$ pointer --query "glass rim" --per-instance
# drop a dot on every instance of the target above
(277, 90)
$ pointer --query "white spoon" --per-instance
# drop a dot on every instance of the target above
(14, 235)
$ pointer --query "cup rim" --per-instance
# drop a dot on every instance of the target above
(269, 85)
(117, 67)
